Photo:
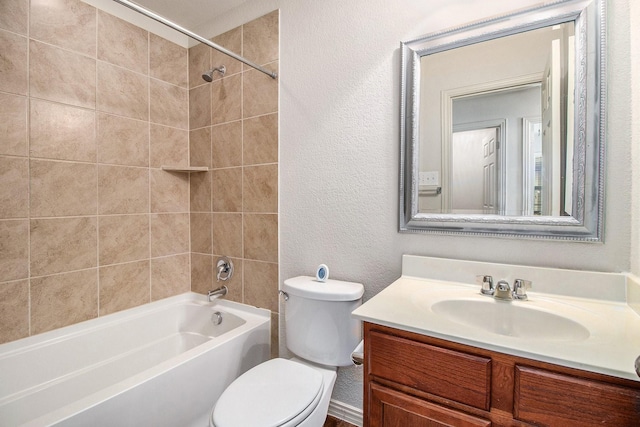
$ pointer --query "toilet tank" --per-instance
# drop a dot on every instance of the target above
(318, 322)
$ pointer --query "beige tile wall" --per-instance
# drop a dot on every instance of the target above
(90, 108)
(233, 124)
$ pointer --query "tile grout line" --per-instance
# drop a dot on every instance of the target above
(150, 270)
(28, 154)
(96, 131)
(242, 195)
(189, 175)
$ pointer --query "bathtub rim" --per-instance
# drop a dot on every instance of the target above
(21, 344)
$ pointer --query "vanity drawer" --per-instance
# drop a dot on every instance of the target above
(394, 408)
(549, 398)
(430, 369)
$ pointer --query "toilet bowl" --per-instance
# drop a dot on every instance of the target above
(296, 392)
(277, 393)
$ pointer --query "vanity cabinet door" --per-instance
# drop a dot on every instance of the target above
(548, 398)
(391, 408)
(430, 369)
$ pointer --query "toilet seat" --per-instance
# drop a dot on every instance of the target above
(276, 393)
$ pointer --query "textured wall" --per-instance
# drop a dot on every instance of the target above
(635, 134)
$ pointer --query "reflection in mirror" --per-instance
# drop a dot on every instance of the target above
(503, 124)
(522, 76)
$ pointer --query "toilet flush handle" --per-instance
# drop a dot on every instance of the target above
(284, 294)
(357, 355)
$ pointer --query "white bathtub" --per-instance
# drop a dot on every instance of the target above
(162, 364)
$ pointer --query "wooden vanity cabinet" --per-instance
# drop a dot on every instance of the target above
(412, 380)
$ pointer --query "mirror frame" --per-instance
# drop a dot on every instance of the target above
(587, 222)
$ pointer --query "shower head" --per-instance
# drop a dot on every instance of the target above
(208, 76)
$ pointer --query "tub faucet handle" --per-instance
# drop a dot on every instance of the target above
(225, 269)
(486, 284)
(520, 288)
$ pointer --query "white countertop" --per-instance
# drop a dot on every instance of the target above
(611, 347)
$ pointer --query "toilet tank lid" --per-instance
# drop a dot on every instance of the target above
(331, 290)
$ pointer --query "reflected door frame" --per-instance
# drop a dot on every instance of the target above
(529, 127)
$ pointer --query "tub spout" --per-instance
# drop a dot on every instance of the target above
(217, 293)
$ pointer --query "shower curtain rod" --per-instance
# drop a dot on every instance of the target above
(194, 36)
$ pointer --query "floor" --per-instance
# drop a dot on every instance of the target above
(334, 422)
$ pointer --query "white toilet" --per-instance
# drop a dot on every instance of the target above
(296, 392)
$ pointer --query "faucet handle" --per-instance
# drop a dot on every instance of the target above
(520, 288)
(486, 284)
(225, 269)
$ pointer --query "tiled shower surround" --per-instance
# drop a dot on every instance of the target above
(91, 107)
(233, 124)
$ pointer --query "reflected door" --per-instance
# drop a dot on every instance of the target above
(489, 176)
(475, 171)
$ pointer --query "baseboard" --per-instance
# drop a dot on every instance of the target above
(345, 412)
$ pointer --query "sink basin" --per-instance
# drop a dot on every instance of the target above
(513, 319)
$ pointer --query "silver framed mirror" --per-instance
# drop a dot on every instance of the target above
(503, 124)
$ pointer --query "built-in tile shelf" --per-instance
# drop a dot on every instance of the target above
(185, 169)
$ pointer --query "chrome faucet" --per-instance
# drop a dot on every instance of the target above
(217, 293)
(502, 290)
(225, 271)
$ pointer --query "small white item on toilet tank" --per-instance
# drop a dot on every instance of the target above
(322, 274)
